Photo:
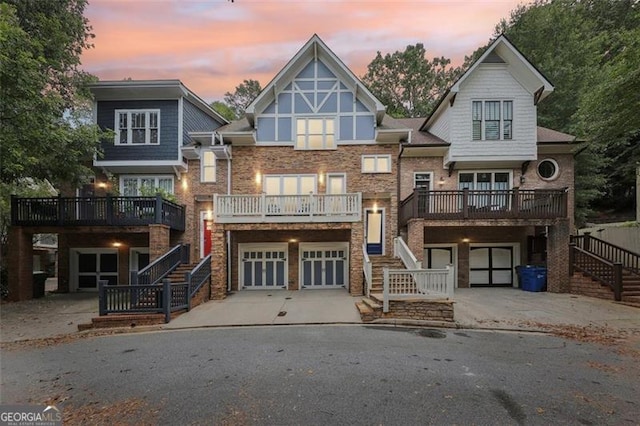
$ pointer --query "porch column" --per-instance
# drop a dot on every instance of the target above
(356, 261)
(415, 235)
(558, 257)
(20, 264)
(159, 240)
(218, 262)
(64, 273)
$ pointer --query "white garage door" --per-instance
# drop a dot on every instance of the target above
(262, 266)
(324, 265)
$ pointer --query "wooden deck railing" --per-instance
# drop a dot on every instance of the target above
(602, 270)
(264, 208)
(161, 298)
(611, 252)
(470, 204)
(96, 211)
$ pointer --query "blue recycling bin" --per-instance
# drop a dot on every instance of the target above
(532, 278)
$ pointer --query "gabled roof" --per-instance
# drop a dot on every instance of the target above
(315, 48)
(120, 90)
(553, 136)
(524, 71)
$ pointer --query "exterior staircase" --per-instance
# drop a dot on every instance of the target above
(370, 308)
(631, 286)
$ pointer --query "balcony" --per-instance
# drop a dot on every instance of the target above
(287, 208)
(96, 211)
(470, 204)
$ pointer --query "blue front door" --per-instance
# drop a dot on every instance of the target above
(374, 236)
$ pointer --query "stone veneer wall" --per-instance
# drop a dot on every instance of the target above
(425, 310)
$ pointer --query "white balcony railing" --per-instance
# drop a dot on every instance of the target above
(264, 208)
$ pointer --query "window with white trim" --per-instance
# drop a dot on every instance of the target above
(315, 133)
(422, 180)
(289, 184)
(492, 120)
(376, 164)
(208, 167)
(137, 127)
(132, 186)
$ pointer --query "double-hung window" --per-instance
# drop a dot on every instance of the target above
(376, 164)
(208, 167)
(315, 133)
(138, 127)
(492, 120)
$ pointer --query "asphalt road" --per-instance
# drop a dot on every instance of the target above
(329, 375)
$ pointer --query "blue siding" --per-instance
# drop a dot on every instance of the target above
(195, 120)
(166, 150)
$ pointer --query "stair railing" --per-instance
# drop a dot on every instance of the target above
(401, 250)
(606, 272)
(154, 272)
(198, 276)
(368, 269)
(611, 252)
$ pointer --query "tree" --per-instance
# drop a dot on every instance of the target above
(243, 95)
(44, 134)
(224, 110)
(407, 82)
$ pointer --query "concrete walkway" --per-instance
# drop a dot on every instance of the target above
(275, 307)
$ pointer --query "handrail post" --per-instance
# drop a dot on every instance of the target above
(166, 299)
(515, 203)
(450, 282)
(465, 203)
(587, 242)
(263, 207)
(108, 209)
(187, 277)
(572, 258)
(158, 212)
(102, 298)
(60, 211)
(385, 290)
(617, 281)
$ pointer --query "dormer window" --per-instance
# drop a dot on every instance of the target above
(137, 127)
(492, 120)
(315, 133)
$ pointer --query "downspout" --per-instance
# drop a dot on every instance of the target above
(228, 232)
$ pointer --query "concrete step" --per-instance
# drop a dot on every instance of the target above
(123, 320)
(372, 304)
(366, 313)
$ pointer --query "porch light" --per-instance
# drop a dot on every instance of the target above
(466, 240)
(102, 185)
(258, 178)
(375, 208)
(441, 182)
(185, 185)
(209, 214)
(321, 178)
(116, 244)
(293, 240)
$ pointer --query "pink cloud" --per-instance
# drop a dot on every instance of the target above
(212, 46)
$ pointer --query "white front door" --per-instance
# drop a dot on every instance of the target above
(324, 265)
(263, 266)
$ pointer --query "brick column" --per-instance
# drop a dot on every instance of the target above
(558, 257)
(415, 235)
(20, 263)
(356, 271)
(218, 262)
(159, 241)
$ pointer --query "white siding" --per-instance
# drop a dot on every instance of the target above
(493, 82)
(440, 126)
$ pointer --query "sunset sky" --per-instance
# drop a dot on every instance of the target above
(212, 45)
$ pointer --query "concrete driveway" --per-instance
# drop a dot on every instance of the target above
(275, 307)
(484, 308)
(509, 308)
